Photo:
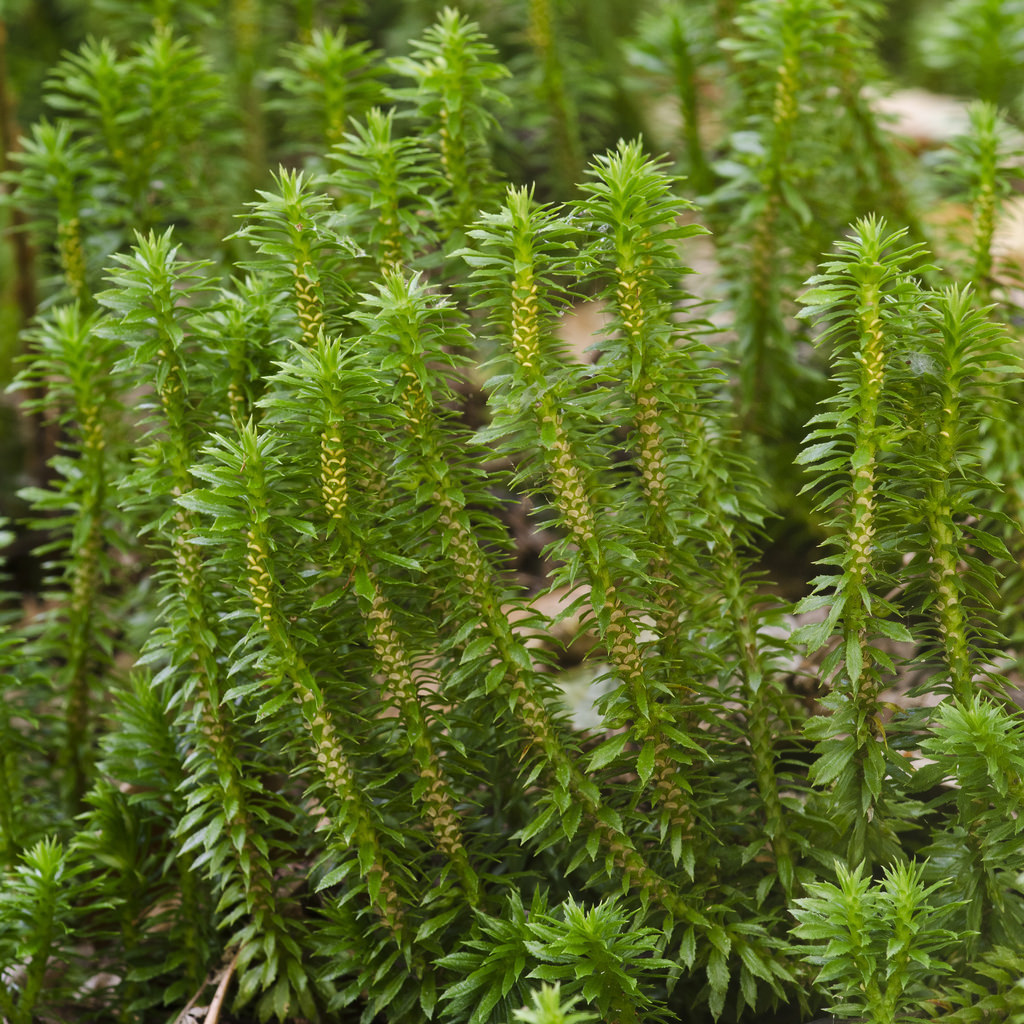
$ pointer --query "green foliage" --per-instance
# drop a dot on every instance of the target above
(975, 744)
(291, 724)
(548, 1008)
(875, 943)
(37, 905)
(993, 993)
(452, 68)
(123, 152)
(988, 66)
(74, 365)
(327, 82)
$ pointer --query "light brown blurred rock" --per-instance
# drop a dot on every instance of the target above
(925, 119)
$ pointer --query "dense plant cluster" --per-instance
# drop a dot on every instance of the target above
(287, 727)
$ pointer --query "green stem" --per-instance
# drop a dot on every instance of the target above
(332, 760)
(565, 124)
(577, 508)
(396, 666)
(247, 24)
(85, 583)
(42, 942)
(688, 92)
(471, 566)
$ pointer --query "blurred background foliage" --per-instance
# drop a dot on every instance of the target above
(684, 74)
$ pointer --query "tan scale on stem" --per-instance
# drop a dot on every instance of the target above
(968, 335)
(538, 729)
(784, 114)
(988, 165)
(576, 505)
(260, 893)
(309, 306)
(398, 669)
(72, 258)
(652, 460)
(540, 734)
(981, 245)
(401, 681)
(857, 686)
(861, 531)
(308, 294)
(255, 869)
(332, 762)
(393, 237)
(950, 611)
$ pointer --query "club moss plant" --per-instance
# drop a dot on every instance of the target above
(288, 726)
